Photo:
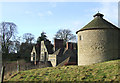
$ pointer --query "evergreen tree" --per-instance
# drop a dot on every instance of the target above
(42, 37)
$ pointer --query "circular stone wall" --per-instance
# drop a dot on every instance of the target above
(97, 46)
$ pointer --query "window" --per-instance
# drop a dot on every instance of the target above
(81, 37)
(45, 56)
(33, 56)
(42, 57)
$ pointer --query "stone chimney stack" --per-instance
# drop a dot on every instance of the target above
(69, 45)
(58, 43)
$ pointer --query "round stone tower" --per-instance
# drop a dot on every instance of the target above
(98, 41)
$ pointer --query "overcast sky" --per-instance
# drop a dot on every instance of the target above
(35, 17)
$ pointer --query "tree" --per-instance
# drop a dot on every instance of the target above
(16, 45)
(42, 37)
(65, 34)
(28, 37)
(11, 47)
(8, 31)
(25, 50)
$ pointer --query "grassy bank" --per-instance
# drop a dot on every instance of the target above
(106, 71)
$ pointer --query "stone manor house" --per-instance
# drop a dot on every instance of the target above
(57, 54)
(98, 41)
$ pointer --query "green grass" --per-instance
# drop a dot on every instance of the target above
(106, 71)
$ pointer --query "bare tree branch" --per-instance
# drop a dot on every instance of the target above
(28, 37)
(65, 34)
(8, 30)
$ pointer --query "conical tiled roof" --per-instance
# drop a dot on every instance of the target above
(98, 23)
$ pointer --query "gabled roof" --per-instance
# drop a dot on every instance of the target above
(63, 54)
(37, 48)
(68, 60)
(59, 52)
(98, 23)
(49, 46)
(63, 62)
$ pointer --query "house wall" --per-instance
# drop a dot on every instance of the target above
(52, 58)
(119, 46)
(97, 46)
(33, 58)
(44, 52)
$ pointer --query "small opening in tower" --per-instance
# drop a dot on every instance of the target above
(81, 37)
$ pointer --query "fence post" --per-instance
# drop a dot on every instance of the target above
(18, 67)
(2, 74)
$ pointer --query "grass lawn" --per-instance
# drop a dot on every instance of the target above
(106, 71)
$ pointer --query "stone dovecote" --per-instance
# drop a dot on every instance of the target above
(98, 41)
